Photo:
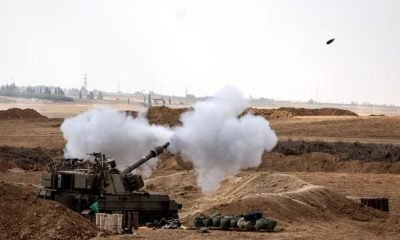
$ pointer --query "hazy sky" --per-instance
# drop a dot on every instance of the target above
(273, 49)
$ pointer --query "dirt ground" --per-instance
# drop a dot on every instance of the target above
(65, 109)
(386, 130)
(23, 216)
(351, 129)
(307, 193)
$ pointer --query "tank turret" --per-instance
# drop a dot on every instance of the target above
(78, 184)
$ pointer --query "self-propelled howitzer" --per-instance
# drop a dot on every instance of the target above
(79, 186)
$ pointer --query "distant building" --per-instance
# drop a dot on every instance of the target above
(84, 93)
(73, 92)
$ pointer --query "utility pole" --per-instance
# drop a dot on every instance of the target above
(85, 80)
(149, 100)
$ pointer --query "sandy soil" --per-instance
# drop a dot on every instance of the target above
(335, 230)
(304, 210)
(306, 193)
(322, 212)
(23, 216)
(46, 133)
(32, 133)
(67, 109)
(351, 129)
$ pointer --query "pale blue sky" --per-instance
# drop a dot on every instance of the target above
(273, 49)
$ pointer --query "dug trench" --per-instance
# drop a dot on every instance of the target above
(295, 156)
(302, 156)
(27, 158)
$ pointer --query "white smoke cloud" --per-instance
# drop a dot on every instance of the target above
(115, 134)
(217, 142)
(212, 137)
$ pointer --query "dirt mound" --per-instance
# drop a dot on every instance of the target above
(161, 115)
(317, 156)
(27, 158)
(181, 187)
(283, 197)
(314, 156)
(5, 165)
(172, 162)
(17, 113)
(269, 113)
(23, 216)
(170, 116)
(288, 112)
(322, 162)
(164, 115)
(367, 152)
(317, 111)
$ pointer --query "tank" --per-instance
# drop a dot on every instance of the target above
(80, 186)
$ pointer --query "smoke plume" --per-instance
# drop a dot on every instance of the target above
(115, 134)
(212, 137)
(217, 142)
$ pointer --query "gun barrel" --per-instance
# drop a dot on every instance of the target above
(153, 153)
